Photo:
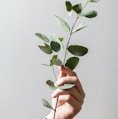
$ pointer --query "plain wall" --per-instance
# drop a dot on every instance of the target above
(22, 77)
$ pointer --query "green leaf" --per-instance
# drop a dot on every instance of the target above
(68, 6)
(47, 104)
(51, 84)
(55, 46)
(63, 24)
(55, 61)
(89, 14)
(66, 86)
(77, 50)
(81, 26)
(77, 8)
(54, 37)
(61, 39)
(93, 0)
(72, 62)
(43, 37)
(46, 49)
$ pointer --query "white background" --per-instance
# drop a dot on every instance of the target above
(22, 77)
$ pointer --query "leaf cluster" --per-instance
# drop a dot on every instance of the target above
(53, 45)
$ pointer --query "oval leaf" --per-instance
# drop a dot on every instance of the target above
(63, 24)
(51, 84)
(68, 6)
(66, 86)
(43, 37)
(54, 37)
(46, 49)
(89, 14)
(55, 61)
(77, 50)
(81, 26)
(77, 8)
(55, 46)
(72, 62)
(47, 104)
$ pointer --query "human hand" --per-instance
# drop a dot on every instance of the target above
(70, 101)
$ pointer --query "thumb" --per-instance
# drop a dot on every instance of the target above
(61, 73)
(66, 71)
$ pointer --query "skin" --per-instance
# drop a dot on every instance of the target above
(70, 101)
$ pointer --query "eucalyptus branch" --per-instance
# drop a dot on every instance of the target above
(53, 45)
(71, 32)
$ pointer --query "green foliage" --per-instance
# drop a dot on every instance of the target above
(72, 62)
(54, 45)
(46, 49)
(64, 87)
(62, 23)
(51, 84)
(89, 14)
(77, 8)
(47, 104)
(68, 6)
(55, 61)
(43, 37)
(81, 26)
(77, 50)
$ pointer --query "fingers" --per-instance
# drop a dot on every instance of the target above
(67, 71)
(71, 79)
(69, 103)
(72, 92)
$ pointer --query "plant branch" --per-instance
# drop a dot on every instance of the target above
(85, 5)
(65, 55)
(71, 32)
(55, 107)
(57, 97)
(54, 72)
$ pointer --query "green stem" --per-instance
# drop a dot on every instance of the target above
(85, 5)
(71, 32)
(55, 107)
(54, 72)
(57, 97)
(65, 55)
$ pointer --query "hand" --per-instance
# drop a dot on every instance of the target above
(70, 101)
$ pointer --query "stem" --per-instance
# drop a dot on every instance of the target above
(85, 5)
(57, 97)
(65, 55)
(71, 32)
(55, 108)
